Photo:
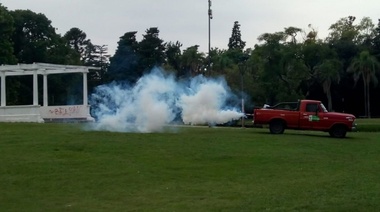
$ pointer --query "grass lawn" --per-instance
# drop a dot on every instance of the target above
(368, 125)
(60, 167)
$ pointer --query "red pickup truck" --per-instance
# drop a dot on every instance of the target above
(304, 115)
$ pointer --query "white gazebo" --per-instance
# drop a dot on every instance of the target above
(36, 112)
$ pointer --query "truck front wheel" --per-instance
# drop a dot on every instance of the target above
(338, 131)
(276, 127)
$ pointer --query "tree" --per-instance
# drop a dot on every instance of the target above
(235, 41)
(343, 29)
(151, 50)
(343, 38)
(282, 65)
(98, 57)
(272, 38)
(376, 41)
(270, 54)
(292, 70)
(325, 68)
(173, 55)
(6, 31)
(366, 66)
(311, 36)
(192, 61)
(220, 60)
(124, 63)
(367, 32)
(61, 53)
(78, 41)
(33, 36)
(326, 73)
(292, 32)
(35, 40)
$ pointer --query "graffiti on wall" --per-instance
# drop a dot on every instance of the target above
(66, 111)
(70, 111)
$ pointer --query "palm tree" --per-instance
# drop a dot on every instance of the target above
(327, 73)
(366, 66)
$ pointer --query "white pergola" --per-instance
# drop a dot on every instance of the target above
(36, 112)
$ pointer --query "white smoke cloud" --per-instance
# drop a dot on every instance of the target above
(158, 100)
(205, 103)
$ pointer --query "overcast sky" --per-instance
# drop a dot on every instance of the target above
(186, 21)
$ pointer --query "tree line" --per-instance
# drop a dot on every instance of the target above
(341, 70)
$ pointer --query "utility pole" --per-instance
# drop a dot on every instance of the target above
(209, 35)
(242, 68)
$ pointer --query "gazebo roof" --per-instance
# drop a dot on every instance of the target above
(43, 68)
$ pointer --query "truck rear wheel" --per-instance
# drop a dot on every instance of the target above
(338, 131)
(276, 127)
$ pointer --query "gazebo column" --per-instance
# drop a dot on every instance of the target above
(85, 92)
(35, 88)
(45, 102)
(3, 89)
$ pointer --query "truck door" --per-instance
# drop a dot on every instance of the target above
(309, 116)
(323, 122)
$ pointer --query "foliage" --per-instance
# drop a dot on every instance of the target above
(366, 66)
(235, 41)
(375, 47)
(192, 61)
(97, 56)
(151, 50)
(281, 67)
(77, 40)
(6, 31)
(221, 60)
(344, 29)
(35, 39)
(327, 73)
(292, 33)
(173, 55)
(133, 58)
(124, 63)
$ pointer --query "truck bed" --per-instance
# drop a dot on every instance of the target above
(265, 115)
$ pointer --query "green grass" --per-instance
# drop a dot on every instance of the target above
(60, 167)
(368, 125)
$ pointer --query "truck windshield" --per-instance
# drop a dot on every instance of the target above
(324, 108)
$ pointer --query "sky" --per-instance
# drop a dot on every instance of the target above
(186, 21)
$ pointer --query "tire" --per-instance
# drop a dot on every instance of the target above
(276, 127)
(338, 131)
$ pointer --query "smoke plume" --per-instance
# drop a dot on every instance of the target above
(157, 100)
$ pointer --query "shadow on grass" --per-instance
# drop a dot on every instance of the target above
(307, 134)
